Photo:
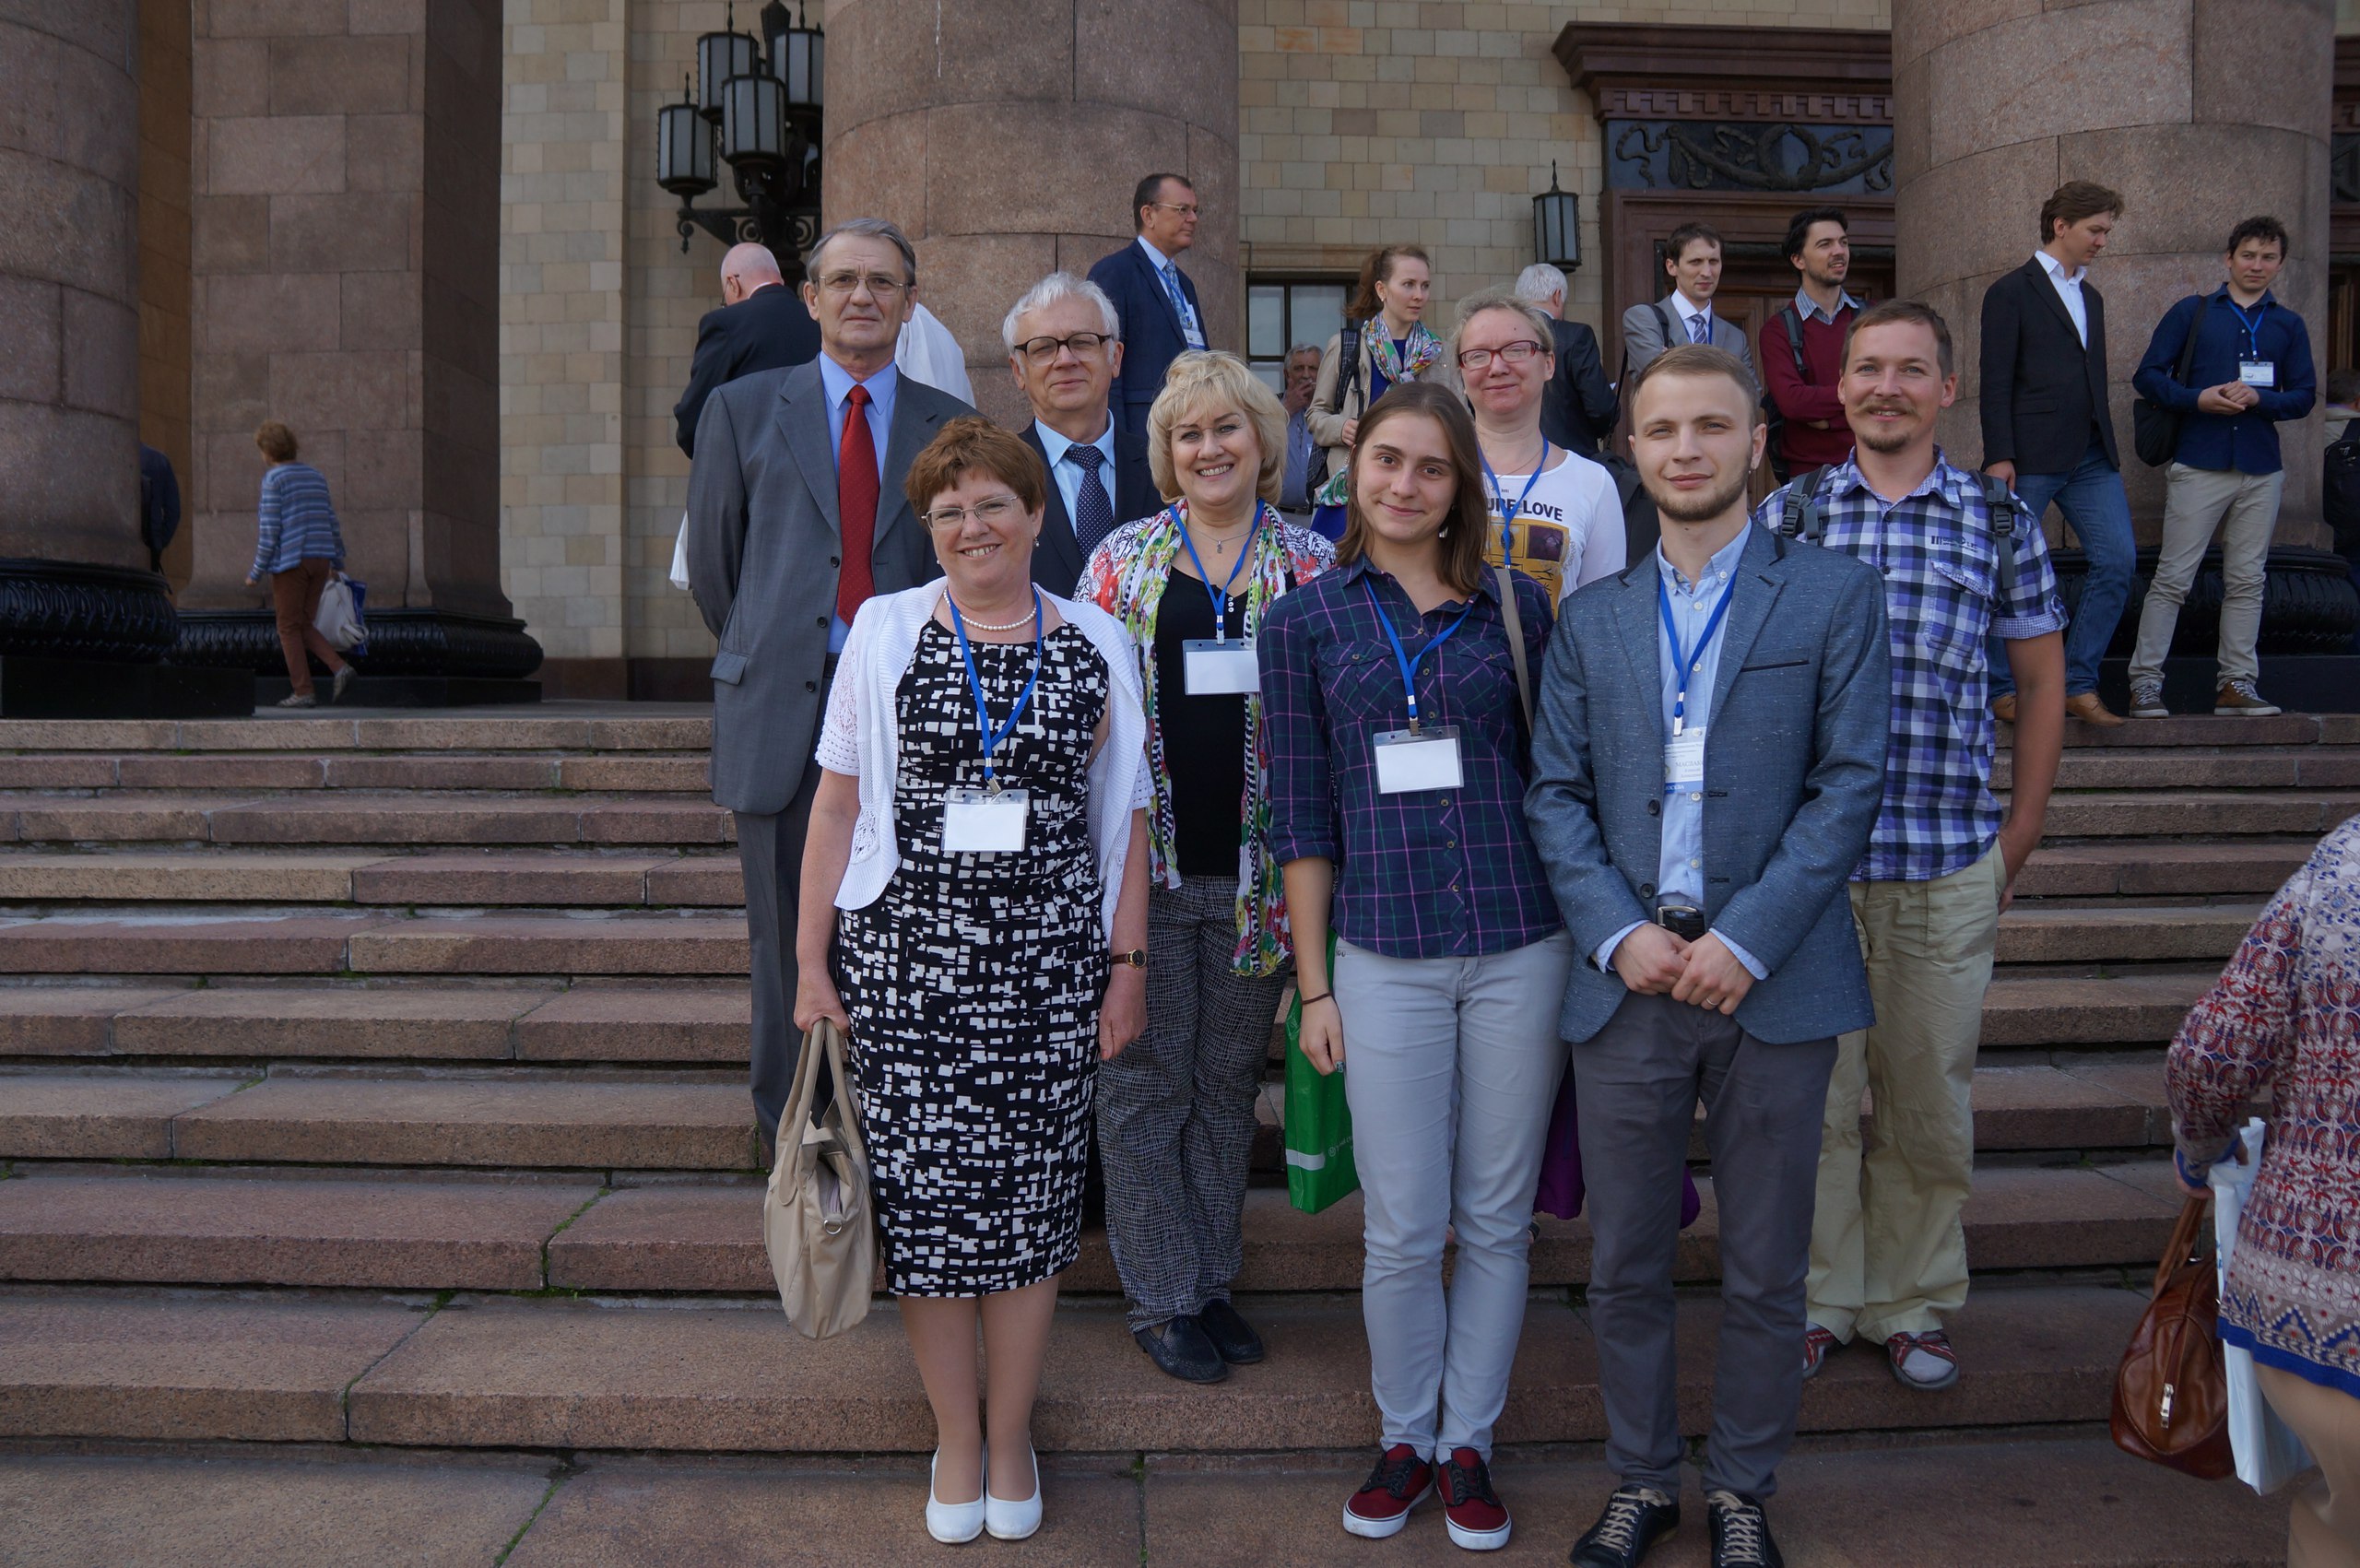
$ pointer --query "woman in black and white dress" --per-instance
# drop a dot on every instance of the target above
(977, 855)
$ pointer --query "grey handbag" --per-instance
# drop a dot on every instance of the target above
(818, 1223)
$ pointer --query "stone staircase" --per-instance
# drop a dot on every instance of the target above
(380, 1081)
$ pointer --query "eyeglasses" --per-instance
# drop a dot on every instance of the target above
(991, 512)
(1185, 211)
(879, 287)
(1514, 353)
(1045, 350)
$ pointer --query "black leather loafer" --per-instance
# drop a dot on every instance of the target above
(1180, 1348)
(1232, 1337)
(1634, 1519)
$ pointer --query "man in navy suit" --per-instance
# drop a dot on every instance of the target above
(760, 326)
(1155, 299)
(1063, 351)
(1706, 766)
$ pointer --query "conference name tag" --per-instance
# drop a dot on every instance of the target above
(981, 821)
(1219, 669)
(2258, 372)
(1413, 760)
(1683, 760)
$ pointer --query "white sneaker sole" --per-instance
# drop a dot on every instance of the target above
(1478, 1540)
(2261, 713)
(1381, 1529)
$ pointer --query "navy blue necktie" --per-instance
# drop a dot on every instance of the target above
(1094, 511)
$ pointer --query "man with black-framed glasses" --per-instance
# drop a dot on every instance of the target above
(1155, 299)
(1065, 348)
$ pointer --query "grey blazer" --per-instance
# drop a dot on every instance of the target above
(1793, 774)
(1642, 339)
(763, 542)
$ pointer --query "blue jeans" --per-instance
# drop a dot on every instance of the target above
(2093, 501)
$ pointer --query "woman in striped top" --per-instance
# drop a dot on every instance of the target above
(299, 547)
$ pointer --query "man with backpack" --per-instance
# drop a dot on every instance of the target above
(1964, 569)
(2231, 365)
(1802, 347)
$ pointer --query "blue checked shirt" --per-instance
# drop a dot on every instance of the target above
(1936, 549)
(298, 522)
(1435, 873)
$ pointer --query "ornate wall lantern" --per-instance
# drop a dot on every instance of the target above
(1557, 226)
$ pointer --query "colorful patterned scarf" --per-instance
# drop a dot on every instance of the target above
(1421, 351)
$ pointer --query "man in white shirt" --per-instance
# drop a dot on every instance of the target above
(1691, 258)
(1064, 353)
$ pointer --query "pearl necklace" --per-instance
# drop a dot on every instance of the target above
(968, 615)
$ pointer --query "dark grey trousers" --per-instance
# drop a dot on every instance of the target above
(770, 854)
(1636, 1084)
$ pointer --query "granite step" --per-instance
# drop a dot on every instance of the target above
(361, 818)
(2039, 1011)
(2182, 767)
(2195, 813)
(2081, 868)
(506, 1372)
(660, 773)
(648, 726)
(2207, 730)
(2111, 933)
(554, 944)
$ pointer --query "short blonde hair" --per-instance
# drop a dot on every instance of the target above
(1209, 377)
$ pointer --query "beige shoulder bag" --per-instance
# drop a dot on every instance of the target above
(818, 1224)
(1516, 641)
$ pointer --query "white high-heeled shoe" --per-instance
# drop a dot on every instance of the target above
(954, 1523)
(1013, 1521)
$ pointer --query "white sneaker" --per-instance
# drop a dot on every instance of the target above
(2147, 699)
(1014, 1521)
(953, 1523)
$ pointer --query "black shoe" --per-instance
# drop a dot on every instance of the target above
(1232, 1337)
(1180, 1348)
(1634, 1519)
(1740, 1532)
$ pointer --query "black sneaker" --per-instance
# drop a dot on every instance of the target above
(1740, 1532)
(1634, 1519)
(1181, 1349)
(1231, 1335)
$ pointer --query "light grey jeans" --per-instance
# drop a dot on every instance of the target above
(1451, 1068)
(2196, 500)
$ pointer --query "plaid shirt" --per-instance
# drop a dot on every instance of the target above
(1937, 551)
(1436, 873)
(298, 522)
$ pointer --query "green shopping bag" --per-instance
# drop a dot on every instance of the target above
(1318, 1123)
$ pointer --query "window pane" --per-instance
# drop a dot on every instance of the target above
(1318, 312)
(1267, 320)
(1273, 373)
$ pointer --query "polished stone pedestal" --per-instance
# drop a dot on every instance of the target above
(91, 689)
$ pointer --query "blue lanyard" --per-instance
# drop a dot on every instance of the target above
(1499, 499)
(1689, 658)
(1401, 655)
(993, 737)
(1219, 596)
(2252, 323)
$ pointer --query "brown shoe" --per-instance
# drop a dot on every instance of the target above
(2240, 698)
(2090, 711)
(2004, 708)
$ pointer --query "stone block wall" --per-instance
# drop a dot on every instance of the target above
(166, 338)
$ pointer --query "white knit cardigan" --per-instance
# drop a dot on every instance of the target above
(861, 735)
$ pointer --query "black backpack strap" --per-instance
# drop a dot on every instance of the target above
(2001, 502)
(1663, 322)
(1798, 507)
(1791, 319)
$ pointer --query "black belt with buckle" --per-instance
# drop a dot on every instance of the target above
(1681, 920)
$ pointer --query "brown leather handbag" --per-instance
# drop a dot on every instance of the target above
(2171, 1394)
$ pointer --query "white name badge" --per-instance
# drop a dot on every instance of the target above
(1683, 760)
(1407, 760)
(2258, 372)
(1219, 669)
(980, 822)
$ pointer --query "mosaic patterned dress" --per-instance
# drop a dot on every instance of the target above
(974, 981)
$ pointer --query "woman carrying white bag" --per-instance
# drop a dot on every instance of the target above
(2286, 1013)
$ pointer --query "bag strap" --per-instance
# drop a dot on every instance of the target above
(1791, 319)
(1347, 365)
(1799, 511)
(1514, 619)
(2188, 349)
(2187, 1244)
(2001, 502)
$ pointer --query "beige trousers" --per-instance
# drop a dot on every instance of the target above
(2243, 507)
(2326, 1528)
(1888, 1253)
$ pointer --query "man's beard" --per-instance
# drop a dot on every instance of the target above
(1828, 280)
(1699, 506)
(1875, 440)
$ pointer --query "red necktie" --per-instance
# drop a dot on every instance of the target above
(856, 505)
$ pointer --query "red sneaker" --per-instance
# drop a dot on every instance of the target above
(1382, 1505)
(1472, 1510)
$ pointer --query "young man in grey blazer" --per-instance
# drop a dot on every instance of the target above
(796, 517)
(1692, 259)
(1707, 765)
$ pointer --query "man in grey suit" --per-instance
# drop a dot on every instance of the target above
(1691, 258)
(1706, 766)
(795, 517)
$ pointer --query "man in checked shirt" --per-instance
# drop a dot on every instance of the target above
(1888, 1257)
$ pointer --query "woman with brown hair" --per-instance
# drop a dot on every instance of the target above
(1398, 748)
(1384, 329)
(299, 547)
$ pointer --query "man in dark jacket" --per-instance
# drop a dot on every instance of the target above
(1578, 408)
(760, 326)
(2047, 431)
(1156, 301)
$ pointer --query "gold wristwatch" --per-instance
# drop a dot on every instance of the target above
(1136, 958)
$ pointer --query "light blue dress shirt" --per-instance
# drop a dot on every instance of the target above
(1806, 307)
(837, 383)
(1679, 869)
(1066, 476)
(2069, 289)
(1167, 273)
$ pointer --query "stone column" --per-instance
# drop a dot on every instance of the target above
(1005, 137)
(73, 578)
(2200, 111)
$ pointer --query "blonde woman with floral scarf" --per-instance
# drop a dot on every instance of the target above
(1387, 320)
(1176, 1112)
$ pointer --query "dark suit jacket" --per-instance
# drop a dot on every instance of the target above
(1152, 335)
(1793, 777)
(2044, 393)
(1057, 562)
(764, 538)
(1578, 408)
(768, 330)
